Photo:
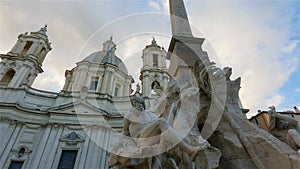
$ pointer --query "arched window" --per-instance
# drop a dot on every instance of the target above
(26, 47)
(156, 89)
(7, 77)
(155, 85)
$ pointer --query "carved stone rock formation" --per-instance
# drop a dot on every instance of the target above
(219, 118)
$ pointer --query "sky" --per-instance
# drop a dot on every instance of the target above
(258, 39)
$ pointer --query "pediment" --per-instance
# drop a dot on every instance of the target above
(78, 108)
(72, 139)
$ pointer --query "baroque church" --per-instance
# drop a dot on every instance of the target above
(43, 129)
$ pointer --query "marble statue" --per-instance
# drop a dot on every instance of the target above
(143, 124)
(149, 131)
(284, 128)
(168, 132)
(138, 88)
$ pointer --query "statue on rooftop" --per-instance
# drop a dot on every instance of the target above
(284, 128)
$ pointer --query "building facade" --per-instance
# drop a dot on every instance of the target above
(75, 127)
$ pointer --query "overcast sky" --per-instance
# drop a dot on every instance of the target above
(258, 39)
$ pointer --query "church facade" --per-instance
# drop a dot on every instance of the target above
(74, 127)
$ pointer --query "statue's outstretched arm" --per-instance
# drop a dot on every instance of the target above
(291, 120)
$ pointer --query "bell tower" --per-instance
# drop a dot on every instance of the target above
(154, 73)
(23, 62)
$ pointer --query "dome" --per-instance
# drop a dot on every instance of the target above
(103, 57)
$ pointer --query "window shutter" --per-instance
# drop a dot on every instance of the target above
(67, 159)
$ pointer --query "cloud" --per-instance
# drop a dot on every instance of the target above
(291, 46)
(274, 100)
(70, 26)
(255, 38)
(250, 38)
(160, 5)
(155, 5)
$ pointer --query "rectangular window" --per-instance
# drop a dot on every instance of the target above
(16, 165)
(116, 91)
(155, 60)
(67, 159)
(94, 83)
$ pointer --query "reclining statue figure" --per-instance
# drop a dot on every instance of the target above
(285, 128)
(146, 134)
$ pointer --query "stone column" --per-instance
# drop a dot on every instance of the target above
(146, 88)
(5, 135)
(91, 151)
(20, 46)
(39, 148)
(127, 87)
(3, 70)
(106, 135)
(99, 83)
(10, 144)
(98, 138)
(32, 48)
(110, 83)
(32, 78)
(105, 82)
(78, 84)
(100, 152)
(87, 79)
(38, 50)
(85, 147)
(50, 147)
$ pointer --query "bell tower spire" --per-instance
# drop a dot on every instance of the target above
(23, 62)
(154, 75)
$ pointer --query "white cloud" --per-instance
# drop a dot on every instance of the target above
(160, 5)
(274, 100)
(155, 5)
(250, 38)
(291, 46)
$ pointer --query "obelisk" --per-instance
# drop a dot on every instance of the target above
(179, 19)
(184, 49)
